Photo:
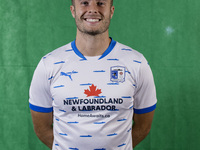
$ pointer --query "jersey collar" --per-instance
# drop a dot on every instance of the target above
(107, 51)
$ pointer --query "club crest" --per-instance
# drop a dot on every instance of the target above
(117, 74)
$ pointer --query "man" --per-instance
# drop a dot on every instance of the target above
(92, 88)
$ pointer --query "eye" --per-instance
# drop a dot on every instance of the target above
(100, 3)
(84, 3)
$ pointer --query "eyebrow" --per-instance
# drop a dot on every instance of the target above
(101, 0)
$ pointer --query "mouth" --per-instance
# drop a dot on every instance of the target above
(92, 20)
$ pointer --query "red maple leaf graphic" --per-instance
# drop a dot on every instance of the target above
(93, 91)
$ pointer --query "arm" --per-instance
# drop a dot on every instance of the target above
(141, 126)
(42, 123)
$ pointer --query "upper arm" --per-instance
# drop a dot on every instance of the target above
(143, 121)
(41, 121)
(141, 126)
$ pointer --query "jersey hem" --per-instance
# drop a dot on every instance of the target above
(145, 110)
(40, 109)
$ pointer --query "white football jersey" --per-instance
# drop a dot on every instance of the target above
(93, 99)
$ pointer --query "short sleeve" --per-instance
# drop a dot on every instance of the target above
(39, 94)
(145, 96)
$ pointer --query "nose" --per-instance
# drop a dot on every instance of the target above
(93, 8)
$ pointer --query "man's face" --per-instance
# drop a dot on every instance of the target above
(92, 16)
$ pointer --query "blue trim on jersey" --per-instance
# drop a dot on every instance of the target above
(73, 148)
(126, 49)
(64, 134)
(122, 145)
(108, 50)
(112, 134)
(62, 110)
(40, 109)
(73, 44)
(85, 136)
(60, 62)
(122, 120)
(99, 122)
(145, 110)
(73, 122)
(137, 61)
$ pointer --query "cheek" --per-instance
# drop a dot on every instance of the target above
(107, 14)
(79, 11)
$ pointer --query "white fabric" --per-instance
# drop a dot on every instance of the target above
(93, 99)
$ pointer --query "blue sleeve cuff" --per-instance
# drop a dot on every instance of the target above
(145, 110)
(40, 109)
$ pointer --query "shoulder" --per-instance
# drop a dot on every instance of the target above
(58, 56)
(57, 53)
(128, 53)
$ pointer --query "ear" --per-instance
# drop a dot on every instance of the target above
(72, 9)
(112, 9)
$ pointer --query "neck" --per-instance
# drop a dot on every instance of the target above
(90, 45)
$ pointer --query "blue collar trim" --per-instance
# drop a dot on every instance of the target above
(73, 44)
(108, 50)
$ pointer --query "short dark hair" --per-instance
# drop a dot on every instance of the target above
(73, 2)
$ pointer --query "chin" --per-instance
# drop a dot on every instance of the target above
(93, 33)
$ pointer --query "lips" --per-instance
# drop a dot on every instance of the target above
(92, 20)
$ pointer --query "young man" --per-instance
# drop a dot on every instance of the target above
(92, 88)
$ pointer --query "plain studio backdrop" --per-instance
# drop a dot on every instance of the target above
(167, 32)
